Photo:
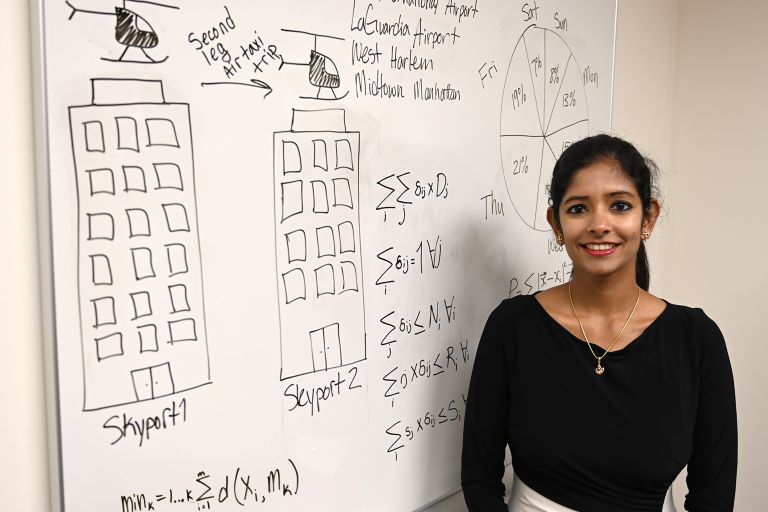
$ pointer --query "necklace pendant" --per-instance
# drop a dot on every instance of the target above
(600, 369)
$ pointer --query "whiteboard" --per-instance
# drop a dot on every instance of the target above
(277, 228)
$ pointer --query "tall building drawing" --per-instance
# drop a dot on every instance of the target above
(317, 240)
(140, 282)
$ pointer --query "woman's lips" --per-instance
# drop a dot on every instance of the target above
(601, 249)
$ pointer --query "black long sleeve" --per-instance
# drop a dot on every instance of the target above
(485, 424)
(712, 468)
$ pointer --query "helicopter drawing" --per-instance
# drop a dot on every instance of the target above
(131, 31)
(323, 73)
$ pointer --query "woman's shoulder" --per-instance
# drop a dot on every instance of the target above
(691, 317)
(519, 304)
(692, 324)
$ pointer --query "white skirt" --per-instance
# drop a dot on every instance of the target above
(525, 499)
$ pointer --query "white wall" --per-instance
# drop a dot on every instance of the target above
(688, 91)
(715, 254)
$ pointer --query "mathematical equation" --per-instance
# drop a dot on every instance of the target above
(537, 281)
(400, 433)
(448, 359)
(414, 324)
(235, 488)
(400, 192)
(428, 256)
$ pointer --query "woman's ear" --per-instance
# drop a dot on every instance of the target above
(651, 216)
(554, 224)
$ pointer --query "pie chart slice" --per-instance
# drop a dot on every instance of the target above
(521, 159)
(570, 105)
(560, 139)
(556, 61)
(533, 44)
(521, 116)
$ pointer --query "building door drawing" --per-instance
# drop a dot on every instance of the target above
(153, 382)
(317, 238)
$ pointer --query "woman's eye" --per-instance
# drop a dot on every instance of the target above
(576, 209)
(621, 206)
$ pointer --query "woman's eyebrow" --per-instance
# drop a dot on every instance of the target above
(585, 198)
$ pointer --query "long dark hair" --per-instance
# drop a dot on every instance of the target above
(641, 170)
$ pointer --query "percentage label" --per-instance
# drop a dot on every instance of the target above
(569, 99)
(518, 97)
(554, 75)
(536, 65)
(520, 166)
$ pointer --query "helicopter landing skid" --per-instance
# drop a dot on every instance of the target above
(131, 61)
(324, 99)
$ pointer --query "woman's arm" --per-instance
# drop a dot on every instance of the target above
(712, 467)
(485, 422)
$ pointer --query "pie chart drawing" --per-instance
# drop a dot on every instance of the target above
(543, 110)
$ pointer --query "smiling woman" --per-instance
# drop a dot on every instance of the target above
(602, 391)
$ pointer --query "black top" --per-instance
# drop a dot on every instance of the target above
(600, 443)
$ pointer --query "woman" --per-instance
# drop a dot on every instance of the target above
(602, 391)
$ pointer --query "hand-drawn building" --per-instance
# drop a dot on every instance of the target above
(317, 238)
(139, 271)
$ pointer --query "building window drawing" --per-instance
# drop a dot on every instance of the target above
(139, 268)
(317, 230)
(102, 181)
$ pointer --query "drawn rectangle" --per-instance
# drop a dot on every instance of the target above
(103, 311)
(292, 198)
(291, 157)
(324, 278)
(162, 132)
(142, 383)
(317, 345)
(182, 330)
(342, 193)
(138, 222)
(326, 243)
(94, 136)
(332, 345)
(135, 181)
(142, 263)
(346, 237)
(321, 154)
(147, 146)
(168, 176)
(147, 338)
(177, 259)
(344, 155)
(176, 217)
(296, 242)
(109, 346)
(102, 181)
(319, 197)
(141, 304)
(348, 276)
(101, 271)
(101, 226)
(179, 301)
(295, 285)
(127, 133)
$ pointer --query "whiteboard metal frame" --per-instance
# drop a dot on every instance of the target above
(45, 253)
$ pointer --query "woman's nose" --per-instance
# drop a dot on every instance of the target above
(599, 223)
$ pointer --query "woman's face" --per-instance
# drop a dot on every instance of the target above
(602, 219)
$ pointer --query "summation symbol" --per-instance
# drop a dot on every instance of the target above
(544, 110)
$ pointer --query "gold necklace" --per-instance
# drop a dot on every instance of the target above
(600, 369)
